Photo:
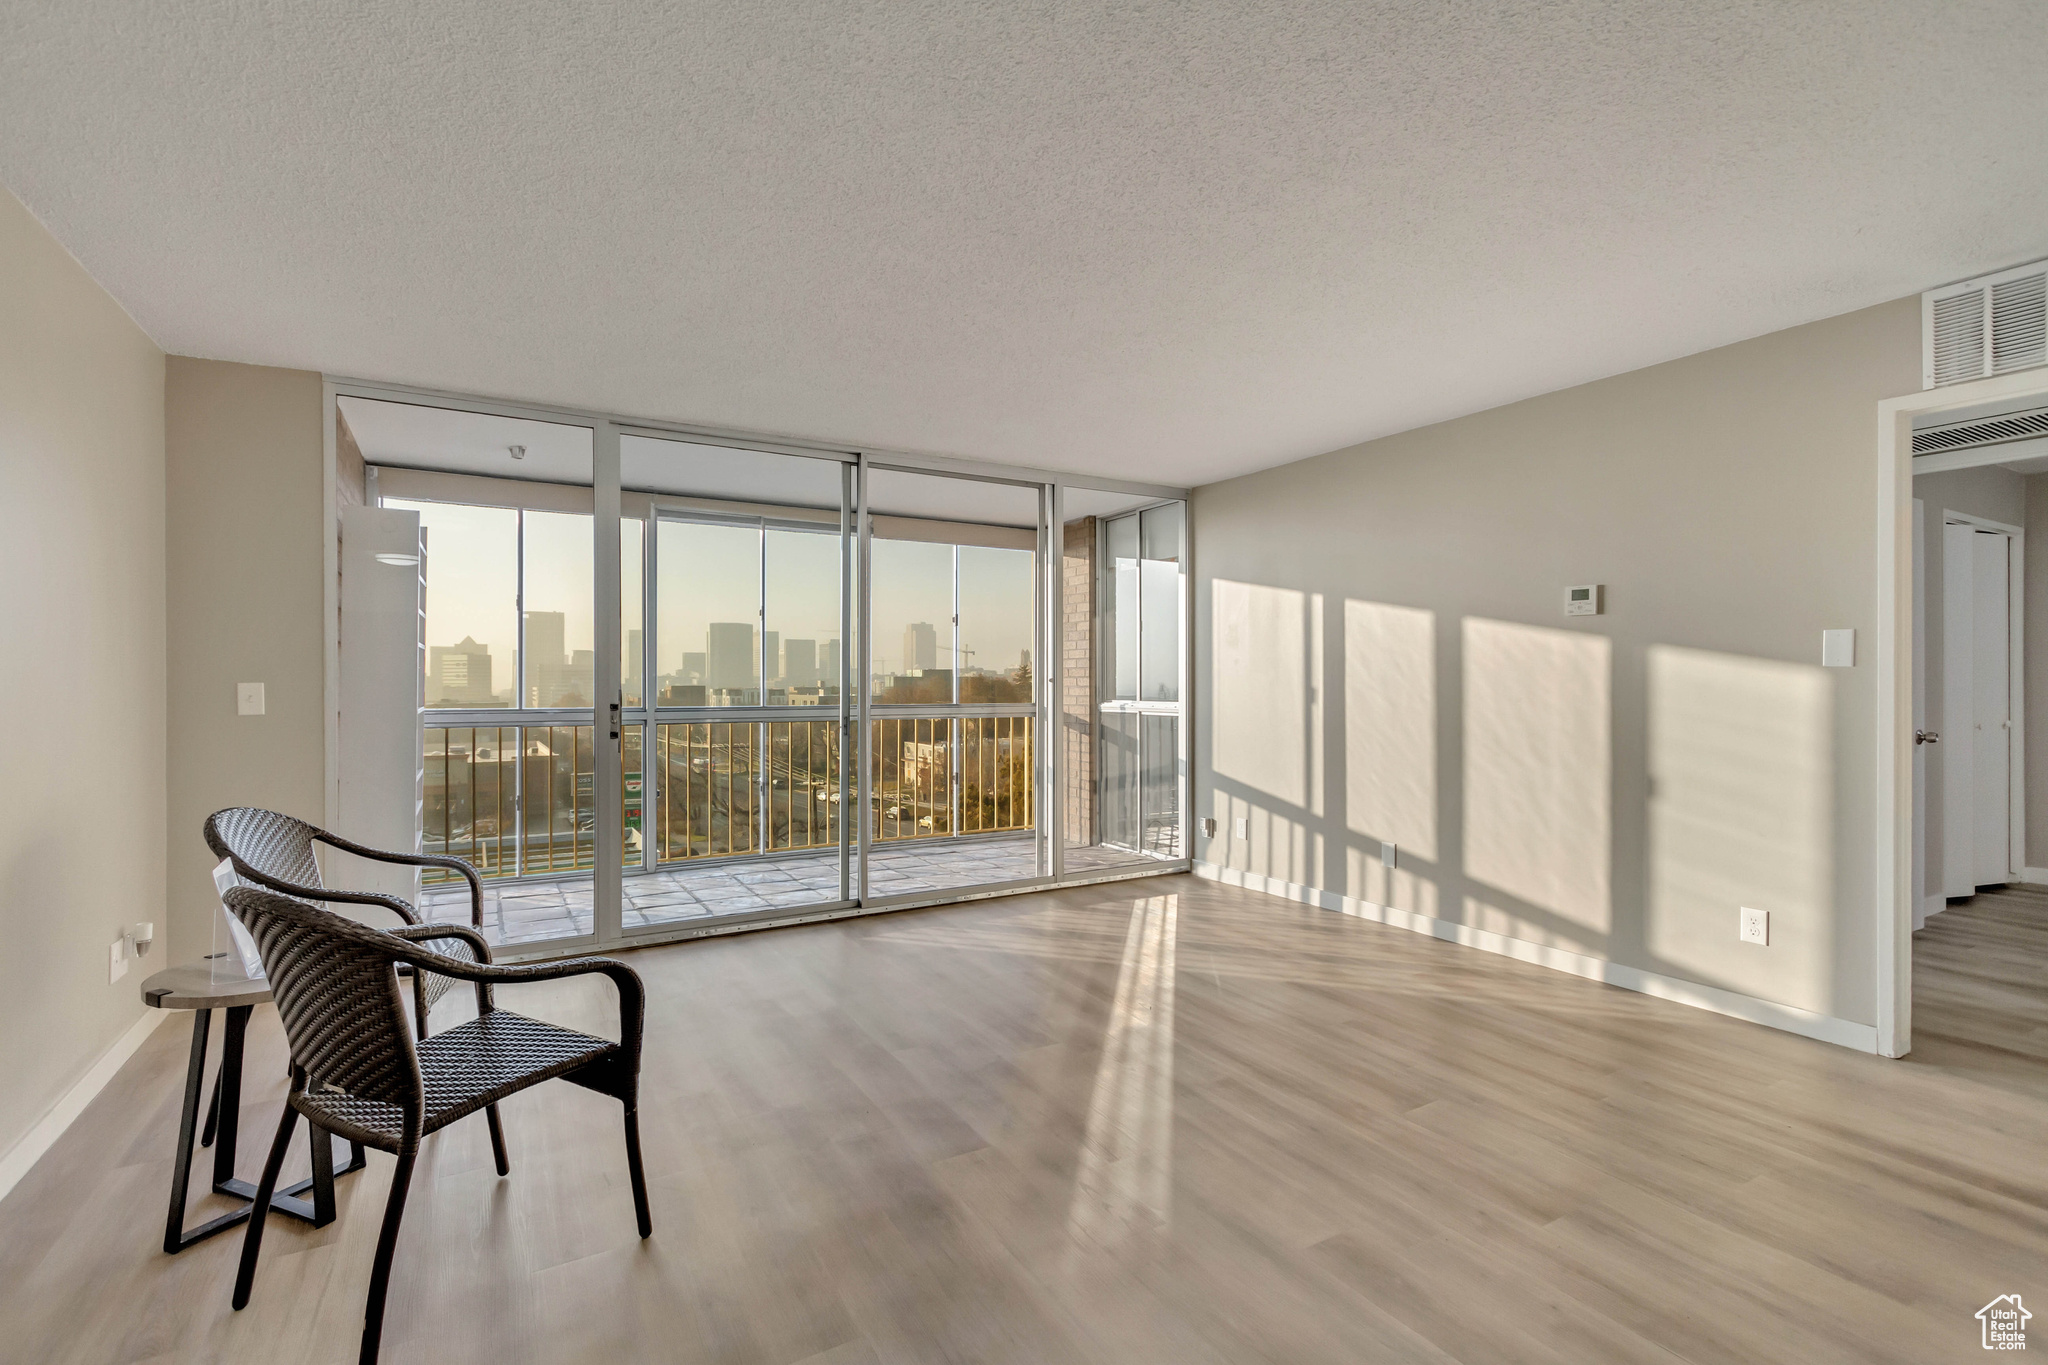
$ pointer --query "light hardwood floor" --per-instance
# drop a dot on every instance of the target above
(1157, 1121)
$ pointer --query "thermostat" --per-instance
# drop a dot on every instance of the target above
(1583, 600)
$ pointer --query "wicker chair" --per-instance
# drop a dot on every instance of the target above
(336, 987)
(276, 851)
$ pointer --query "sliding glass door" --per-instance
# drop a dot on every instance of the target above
(510, 741)
(955, 602)
(738, 743)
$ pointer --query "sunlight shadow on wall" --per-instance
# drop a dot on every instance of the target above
(1259, 688)
(1124, 1183)
(1397, 888)
(1538, 735)
(1390, 724)
(1741, 772)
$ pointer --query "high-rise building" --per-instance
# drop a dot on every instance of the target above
(800, 663)
(545, 633)
(920, 646)
(692, 671)
(771, 654)
(828, 663)
(729, 651)
(460, 674)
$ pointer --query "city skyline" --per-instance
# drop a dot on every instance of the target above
(711, 574)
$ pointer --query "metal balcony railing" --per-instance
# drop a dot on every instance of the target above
(517, 800)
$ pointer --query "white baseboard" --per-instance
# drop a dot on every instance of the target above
(1825, 1028)
(37, 1140)
(2034, 876)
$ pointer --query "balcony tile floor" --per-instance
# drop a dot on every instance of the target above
(529, 912)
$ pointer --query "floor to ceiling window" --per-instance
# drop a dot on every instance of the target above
(830, 684)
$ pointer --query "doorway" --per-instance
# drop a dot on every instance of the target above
(1963, 476)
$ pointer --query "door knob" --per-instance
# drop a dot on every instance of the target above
(1926, 737)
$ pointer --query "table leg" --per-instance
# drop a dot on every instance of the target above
(212, 1113)
(229, 1108)
(188, 1120)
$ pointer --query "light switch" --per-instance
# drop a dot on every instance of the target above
(249, 699)
(1244, 828)
(1838, 649)
(1389, 853)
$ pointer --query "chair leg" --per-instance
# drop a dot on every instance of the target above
(259, 1211)
(497, 1140)
(320, 1144)
(387, 1243)
(633, 1168)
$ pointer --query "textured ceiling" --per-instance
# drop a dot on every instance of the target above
(1168, 241)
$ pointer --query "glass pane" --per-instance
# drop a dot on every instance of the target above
(996, 767)
(559, 667)
(997, 610)
(1120, 588)
(1159, 611)
(708, 601)
(1159, 780)
(803, 784)
(472, 602)
(632, 570)
(632, 791)
(912, 617)
(708, 780)
(912, 779)
(802, 614)
(1120, 605)
(954, 606)
(1122, 816)
(470, 810)
(557, 798)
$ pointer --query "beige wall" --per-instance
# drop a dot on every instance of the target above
(1382, 655)
(82, 617)
(243, 455)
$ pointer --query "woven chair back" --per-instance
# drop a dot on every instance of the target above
(337, 994)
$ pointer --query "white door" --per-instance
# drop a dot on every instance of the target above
(1991, 699)
(1958, 751)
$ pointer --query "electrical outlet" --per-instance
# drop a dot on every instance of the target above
(1390, 854)
(117, 960)
(1756, 926)
(1244, 827)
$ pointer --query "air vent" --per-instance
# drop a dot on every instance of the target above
(1991, 325)
(1983, 431)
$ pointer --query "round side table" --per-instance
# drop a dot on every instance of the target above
(192, 987)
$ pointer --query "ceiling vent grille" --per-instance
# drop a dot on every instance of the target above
(1991, 325)
(1983, 431)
